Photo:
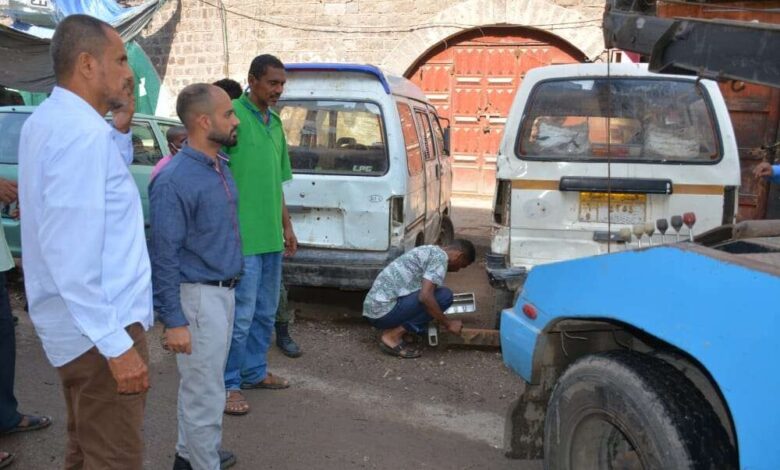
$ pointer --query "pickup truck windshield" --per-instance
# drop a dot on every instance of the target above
(628, 120)
(334, 137)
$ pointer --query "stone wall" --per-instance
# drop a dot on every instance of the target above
(204, 40)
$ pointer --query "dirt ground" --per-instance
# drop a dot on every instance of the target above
(350, 406)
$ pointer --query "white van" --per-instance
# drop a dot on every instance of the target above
(581, 137)
(371, 172)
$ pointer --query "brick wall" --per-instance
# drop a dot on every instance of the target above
(186, 38)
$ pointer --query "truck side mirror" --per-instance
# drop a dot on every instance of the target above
(447, 150)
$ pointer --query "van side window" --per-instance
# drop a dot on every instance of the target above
(411, 139)
(438, 136)
(422, 116)
(146, 151)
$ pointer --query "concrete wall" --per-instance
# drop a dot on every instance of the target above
(204, 40)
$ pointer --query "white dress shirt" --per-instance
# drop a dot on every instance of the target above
(86, 268)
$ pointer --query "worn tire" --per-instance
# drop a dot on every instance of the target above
(446, 232)
(622, 409)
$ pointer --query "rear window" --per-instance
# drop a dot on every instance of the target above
(334, 137)
(637, 120)
(10, 130)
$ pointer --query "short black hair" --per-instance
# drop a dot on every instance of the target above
(195, 98)
(465, 247)
(261, 63)
(231, 87)
(74, 35)
(175, 131)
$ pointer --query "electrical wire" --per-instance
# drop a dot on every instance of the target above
(347, 29)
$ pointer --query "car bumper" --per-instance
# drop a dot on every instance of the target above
(345, 269)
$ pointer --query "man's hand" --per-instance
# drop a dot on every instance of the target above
(130, 372)
(455, 326)
(8, 191)
(762, 170)
(290, 241)
(178, 340)
(123, 116)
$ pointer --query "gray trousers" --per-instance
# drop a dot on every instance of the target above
(209, 310)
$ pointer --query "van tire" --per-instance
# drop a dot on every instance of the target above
(446, 232)
(622, 409)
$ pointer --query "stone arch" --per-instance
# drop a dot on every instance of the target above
(473, 14)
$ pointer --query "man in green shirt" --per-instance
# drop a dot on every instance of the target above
(260, 164)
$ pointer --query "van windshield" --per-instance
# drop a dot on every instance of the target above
(334, 137)
(10, 130)
(636, 120)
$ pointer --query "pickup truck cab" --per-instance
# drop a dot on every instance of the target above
(149, 146)
(372, 175)
(656, 358)
(594, 148)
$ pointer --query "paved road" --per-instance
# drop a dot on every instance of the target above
(349, 407)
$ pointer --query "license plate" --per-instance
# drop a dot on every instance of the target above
(625, 209)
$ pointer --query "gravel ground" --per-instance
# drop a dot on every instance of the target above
(350, 406)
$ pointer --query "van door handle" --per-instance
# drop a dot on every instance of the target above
(438, 171)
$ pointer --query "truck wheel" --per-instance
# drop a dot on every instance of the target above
(626, 410)
(446, 232)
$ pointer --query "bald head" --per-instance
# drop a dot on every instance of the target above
(195, 100)
(77, 34)
(207, 114)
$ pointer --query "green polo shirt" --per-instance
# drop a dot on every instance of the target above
(260, 164)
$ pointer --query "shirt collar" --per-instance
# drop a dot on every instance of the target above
(69, 98)
(244, 99)
(197, 155)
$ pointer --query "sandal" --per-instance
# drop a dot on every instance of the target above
(270, 382)
(33, 423)
(236, 404)
(403, 350)
(6, 458)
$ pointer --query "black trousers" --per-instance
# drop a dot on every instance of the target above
(9, 416)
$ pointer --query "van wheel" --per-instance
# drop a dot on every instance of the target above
(446, 232)
(622, 409)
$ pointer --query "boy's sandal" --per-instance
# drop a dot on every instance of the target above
(32, 423)
(236, 404)
(270, 382)
(402, 350)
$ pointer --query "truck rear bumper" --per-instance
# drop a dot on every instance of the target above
(345, 269)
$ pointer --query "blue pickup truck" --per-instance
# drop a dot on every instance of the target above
(657, 358)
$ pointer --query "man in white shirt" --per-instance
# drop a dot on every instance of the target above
(86, 267)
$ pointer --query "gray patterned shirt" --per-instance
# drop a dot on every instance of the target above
(404, 276)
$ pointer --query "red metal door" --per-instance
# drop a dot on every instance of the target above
(472, 81)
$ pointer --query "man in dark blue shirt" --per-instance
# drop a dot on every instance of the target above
(196, 261)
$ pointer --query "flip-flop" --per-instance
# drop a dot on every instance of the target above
(236, 404)
(402, 350)
(33, 423)
(270, 382)
(8, 460)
